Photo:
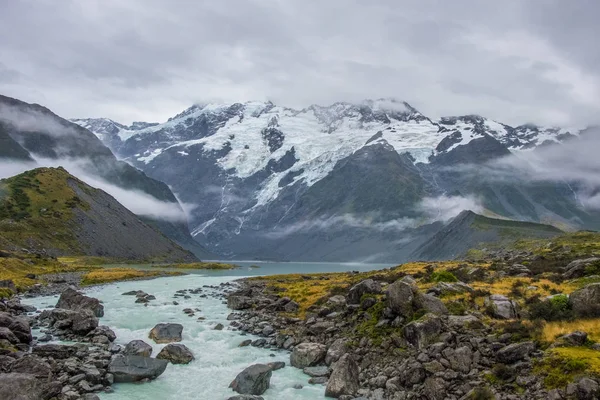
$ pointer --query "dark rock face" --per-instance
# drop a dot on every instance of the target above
(254, 380)
(166, 333)
(71, 299)
(138, 348)
(344, 378)
(136, 368)
(176, 354)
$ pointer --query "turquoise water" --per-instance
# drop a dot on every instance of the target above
(218, 359)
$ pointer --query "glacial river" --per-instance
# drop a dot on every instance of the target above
(218, 357)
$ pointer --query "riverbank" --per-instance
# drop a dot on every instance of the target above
(484, 329)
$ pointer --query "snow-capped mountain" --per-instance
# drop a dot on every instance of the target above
(266, 180)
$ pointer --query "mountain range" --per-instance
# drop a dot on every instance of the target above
(373, 181)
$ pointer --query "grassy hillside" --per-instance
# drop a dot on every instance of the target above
(468, 230)
(51, 212)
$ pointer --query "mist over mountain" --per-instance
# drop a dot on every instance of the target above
(32, 136)
(351, 181)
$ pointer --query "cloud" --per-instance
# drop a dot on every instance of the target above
(137, 202)
(333, 223)
(444, 208)
(147, 60)
(33, 121)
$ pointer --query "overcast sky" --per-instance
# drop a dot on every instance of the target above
(515, 60)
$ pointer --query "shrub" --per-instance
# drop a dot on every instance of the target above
(555, 309)
(503, 372)
(443, 276)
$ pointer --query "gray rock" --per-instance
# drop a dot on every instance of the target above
(424, 331)
(136, 368)
(587, 389)
(318, 381)
(32, 365)
(16, 386)
(254, 380)
(166, 333)
(586, 300)
(138, 348)
(460, 359)
(276, 365)
(8, 335)
(517, 270)
(368, 286)
(17, 325)
(434, 389)
(336, 350)
(502, 307)
(515, 352)
(176, 354)
(577, 338)
(316, 371)
(308, 355)
(239, 302)
(430, 304)
(246, 397)
(577, 268)
(400, 297)
(71, 299)
(337, 302)
(344, 379)
(291, 307)
(245, 343)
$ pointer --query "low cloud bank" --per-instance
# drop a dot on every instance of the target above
(139, 203)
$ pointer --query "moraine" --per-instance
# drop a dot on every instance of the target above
(218, 357)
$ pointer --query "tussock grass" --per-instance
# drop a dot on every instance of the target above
(553, 330)
(562, 365)
(108, 275)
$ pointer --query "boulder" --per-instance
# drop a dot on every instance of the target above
(451, 288)
(17, 325)
(577, 268)
(239, 302)
(586, 389)
(368, 286)
(138, 348)
(515, 352)
(8, 335)
(136, 368)
(245, 397)
(176, 354)
(33, 365)
(400, 297)
(166, 333)
(337, 302)
(517, 270)
(291, 307)
(71, 299)
(344, 379)
(254, 380)
(307, 355)
(586, 301)
(424, 331)
(336, 350)
(16, 386)
(430, 304)
(502, 307)
(104, 330)
(577, 338)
